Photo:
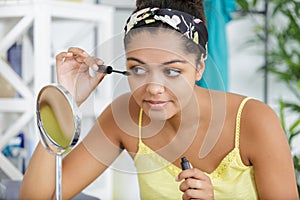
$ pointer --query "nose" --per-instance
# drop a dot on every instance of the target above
(155, 88)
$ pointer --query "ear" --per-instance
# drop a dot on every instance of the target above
(200, 69)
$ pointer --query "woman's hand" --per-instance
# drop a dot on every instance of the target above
(197, 185)
(73, 73)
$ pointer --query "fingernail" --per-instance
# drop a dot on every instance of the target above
(177, 179)
(95, 67)
(99, 62)
(69, 54)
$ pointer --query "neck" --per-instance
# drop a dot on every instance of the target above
(190, 114)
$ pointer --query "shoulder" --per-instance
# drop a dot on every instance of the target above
(258, 120)
(259, 117)
(261, 132)
(259, 123)
(263, 143)
(255, 112)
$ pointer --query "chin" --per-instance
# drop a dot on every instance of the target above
(159, 115)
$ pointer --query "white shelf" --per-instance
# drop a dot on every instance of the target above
(41, 15)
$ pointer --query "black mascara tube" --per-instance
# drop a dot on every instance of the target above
(185, 164)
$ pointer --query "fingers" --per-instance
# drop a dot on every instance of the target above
(82, 57)
(192, 173)
(196, 184)
(76, 50)
(93, 62)
(73, 53)
(197, 194)
(71, 56)
(190, 194)
(191, 183)
(197, 189)
(78, 53)
(60, 58)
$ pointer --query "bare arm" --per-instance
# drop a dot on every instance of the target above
(80, 167)
(269, 152)
(40, 172)
(91, 157)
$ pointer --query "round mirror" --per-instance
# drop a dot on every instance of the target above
(59, 125)
(58, 119)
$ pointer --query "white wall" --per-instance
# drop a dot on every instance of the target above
(244, 63)
(245, 60)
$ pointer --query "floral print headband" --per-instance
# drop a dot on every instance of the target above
(190, 26)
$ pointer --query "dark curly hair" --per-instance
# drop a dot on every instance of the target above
(194, 7)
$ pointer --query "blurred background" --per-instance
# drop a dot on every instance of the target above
(254, 50)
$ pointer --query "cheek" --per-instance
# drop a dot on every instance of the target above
(135, 84)
(182, 89)
(137, 88)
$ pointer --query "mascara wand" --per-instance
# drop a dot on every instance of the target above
(108, 70)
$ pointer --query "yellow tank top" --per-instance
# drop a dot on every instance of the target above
(231, 179)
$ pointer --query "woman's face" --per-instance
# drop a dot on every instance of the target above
(163, 76)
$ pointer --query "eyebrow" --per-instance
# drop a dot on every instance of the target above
(135, 59)
(165, 63)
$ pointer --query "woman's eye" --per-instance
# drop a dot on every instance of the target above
(138, 70)
(172, 72)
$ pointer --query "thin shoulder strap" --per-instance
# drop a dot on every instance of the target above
(140, 124)
(238, 122)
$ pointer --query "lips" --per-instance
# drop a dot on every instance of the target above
(156, 104)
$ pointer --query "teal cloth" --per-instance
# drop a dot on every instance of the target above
(216, 66)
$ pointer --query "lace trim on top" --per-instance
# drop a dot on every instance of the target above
(165, 164)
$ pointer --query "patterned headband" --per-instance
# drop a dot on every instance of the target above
(190, 26)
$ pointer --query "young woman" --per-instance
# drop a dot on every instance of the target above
(235, 144)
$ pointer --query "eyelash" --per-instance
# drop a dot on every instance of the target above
(168, 70)
(135, 68)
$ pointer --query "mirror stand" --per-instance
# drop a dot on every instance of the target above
(59, 123)
(58, 176)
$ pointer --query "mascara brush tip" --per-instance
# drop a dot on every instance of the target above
(126, 73)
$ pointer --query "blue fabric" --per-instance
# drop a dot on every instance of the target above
(216, 72)
(14, 57)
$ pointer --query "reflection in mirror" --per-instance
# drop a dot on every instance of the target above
(59, 124)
